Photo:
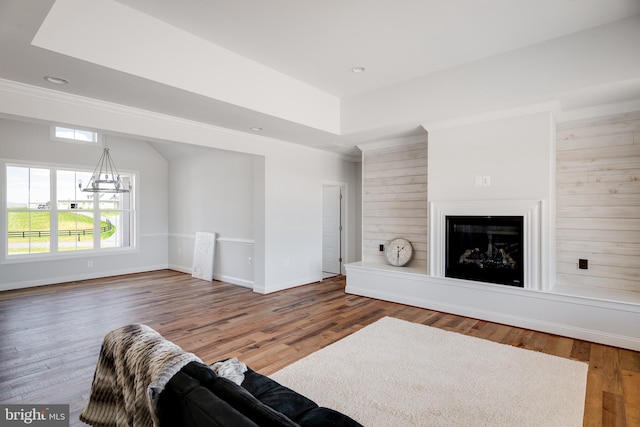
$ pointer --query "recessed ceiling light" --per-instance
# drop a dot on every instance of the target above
(256, 128)
(56, 80)
(358, 70)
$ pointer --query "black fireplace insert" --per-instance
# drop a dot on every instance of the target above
(485, 249)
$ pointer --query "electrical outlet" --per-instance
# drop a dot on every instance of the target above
(583, 264)
(90, 264)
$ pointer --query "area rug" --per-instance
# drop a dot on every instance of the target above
(398, 373)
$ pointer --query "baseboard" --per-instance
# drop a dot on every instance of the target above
(234, 280)
(288, 285)
(221, 277)
(180, 268)
(79, 277)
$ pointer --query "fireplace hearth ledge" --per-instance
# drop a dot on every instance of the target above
(583, 317)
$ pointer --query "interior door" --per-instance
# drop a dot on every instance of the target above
(331, 229)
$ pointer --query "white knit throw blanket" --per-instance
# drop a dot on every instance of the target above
(134, 365)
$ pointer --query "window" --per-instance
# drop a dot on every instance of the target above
(75, 221)
(28, 204)
(62, 133)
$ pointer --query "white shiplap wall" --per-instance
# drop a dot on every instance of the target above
(394, 200)
(598, 202)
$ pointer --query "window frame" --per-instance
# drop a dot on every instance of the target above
(54, 252)
(54, 137)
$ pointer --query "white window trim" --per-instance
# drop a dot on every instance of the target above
(54, 137)
(55, 254)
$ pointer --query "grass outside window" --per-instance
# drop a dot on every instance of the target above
(29, 232)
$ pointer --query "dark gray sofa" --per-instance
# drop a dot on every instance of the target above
(197, 397)
(143, 380)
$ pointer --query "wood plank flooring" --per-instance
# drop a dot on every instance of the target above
(50, 336)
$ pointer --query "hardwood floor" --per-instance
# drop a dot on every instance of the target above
(50, 336)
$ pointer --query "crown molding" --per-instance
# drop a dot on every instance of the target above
(598, 111)
(141, 115)
(393, 143)
(524, 110)
(105, 106)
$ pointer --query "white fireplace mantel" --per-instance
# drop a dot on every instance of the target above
(529, 210)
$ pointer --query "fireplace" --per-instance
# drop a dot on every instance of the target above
(485, 249)
(524, 215)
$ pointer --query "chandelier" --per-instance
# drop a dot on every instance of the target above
(105, 177)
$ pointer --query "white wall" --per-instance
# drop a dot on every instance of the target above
(267, 208)
(287, 217)
(212, 190)
(516, 153)
(30, 142)
(293, 191)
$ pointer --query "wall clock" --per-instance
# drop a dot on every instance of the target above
(398, 252)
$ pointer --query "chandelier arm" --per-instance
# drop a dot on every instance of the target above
(112, 167)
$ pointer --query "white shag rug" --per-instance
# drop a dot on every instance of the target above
(397, 373)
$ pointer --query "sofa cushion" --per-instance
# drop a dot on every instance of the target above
(299, 408)
(277, 396)
(238, 397)
(184, 402)
(326, 417)
(196, 396)
(244, 402)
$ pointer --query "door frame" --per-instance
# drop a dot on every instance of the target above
(344, 243)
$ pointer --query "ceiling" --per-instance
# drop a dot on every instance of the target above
(311, 43)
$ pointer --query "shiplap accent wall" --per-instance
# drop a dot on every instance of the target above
(598, 202)
(394, 200)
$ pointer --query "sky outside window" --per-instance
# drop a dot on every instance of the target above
(76, 134)
(27, 188)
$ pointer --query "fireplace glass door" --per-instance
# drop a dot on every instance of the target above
(485, 249)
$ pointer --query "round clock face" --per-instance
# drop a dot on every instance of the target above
(398, 252)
